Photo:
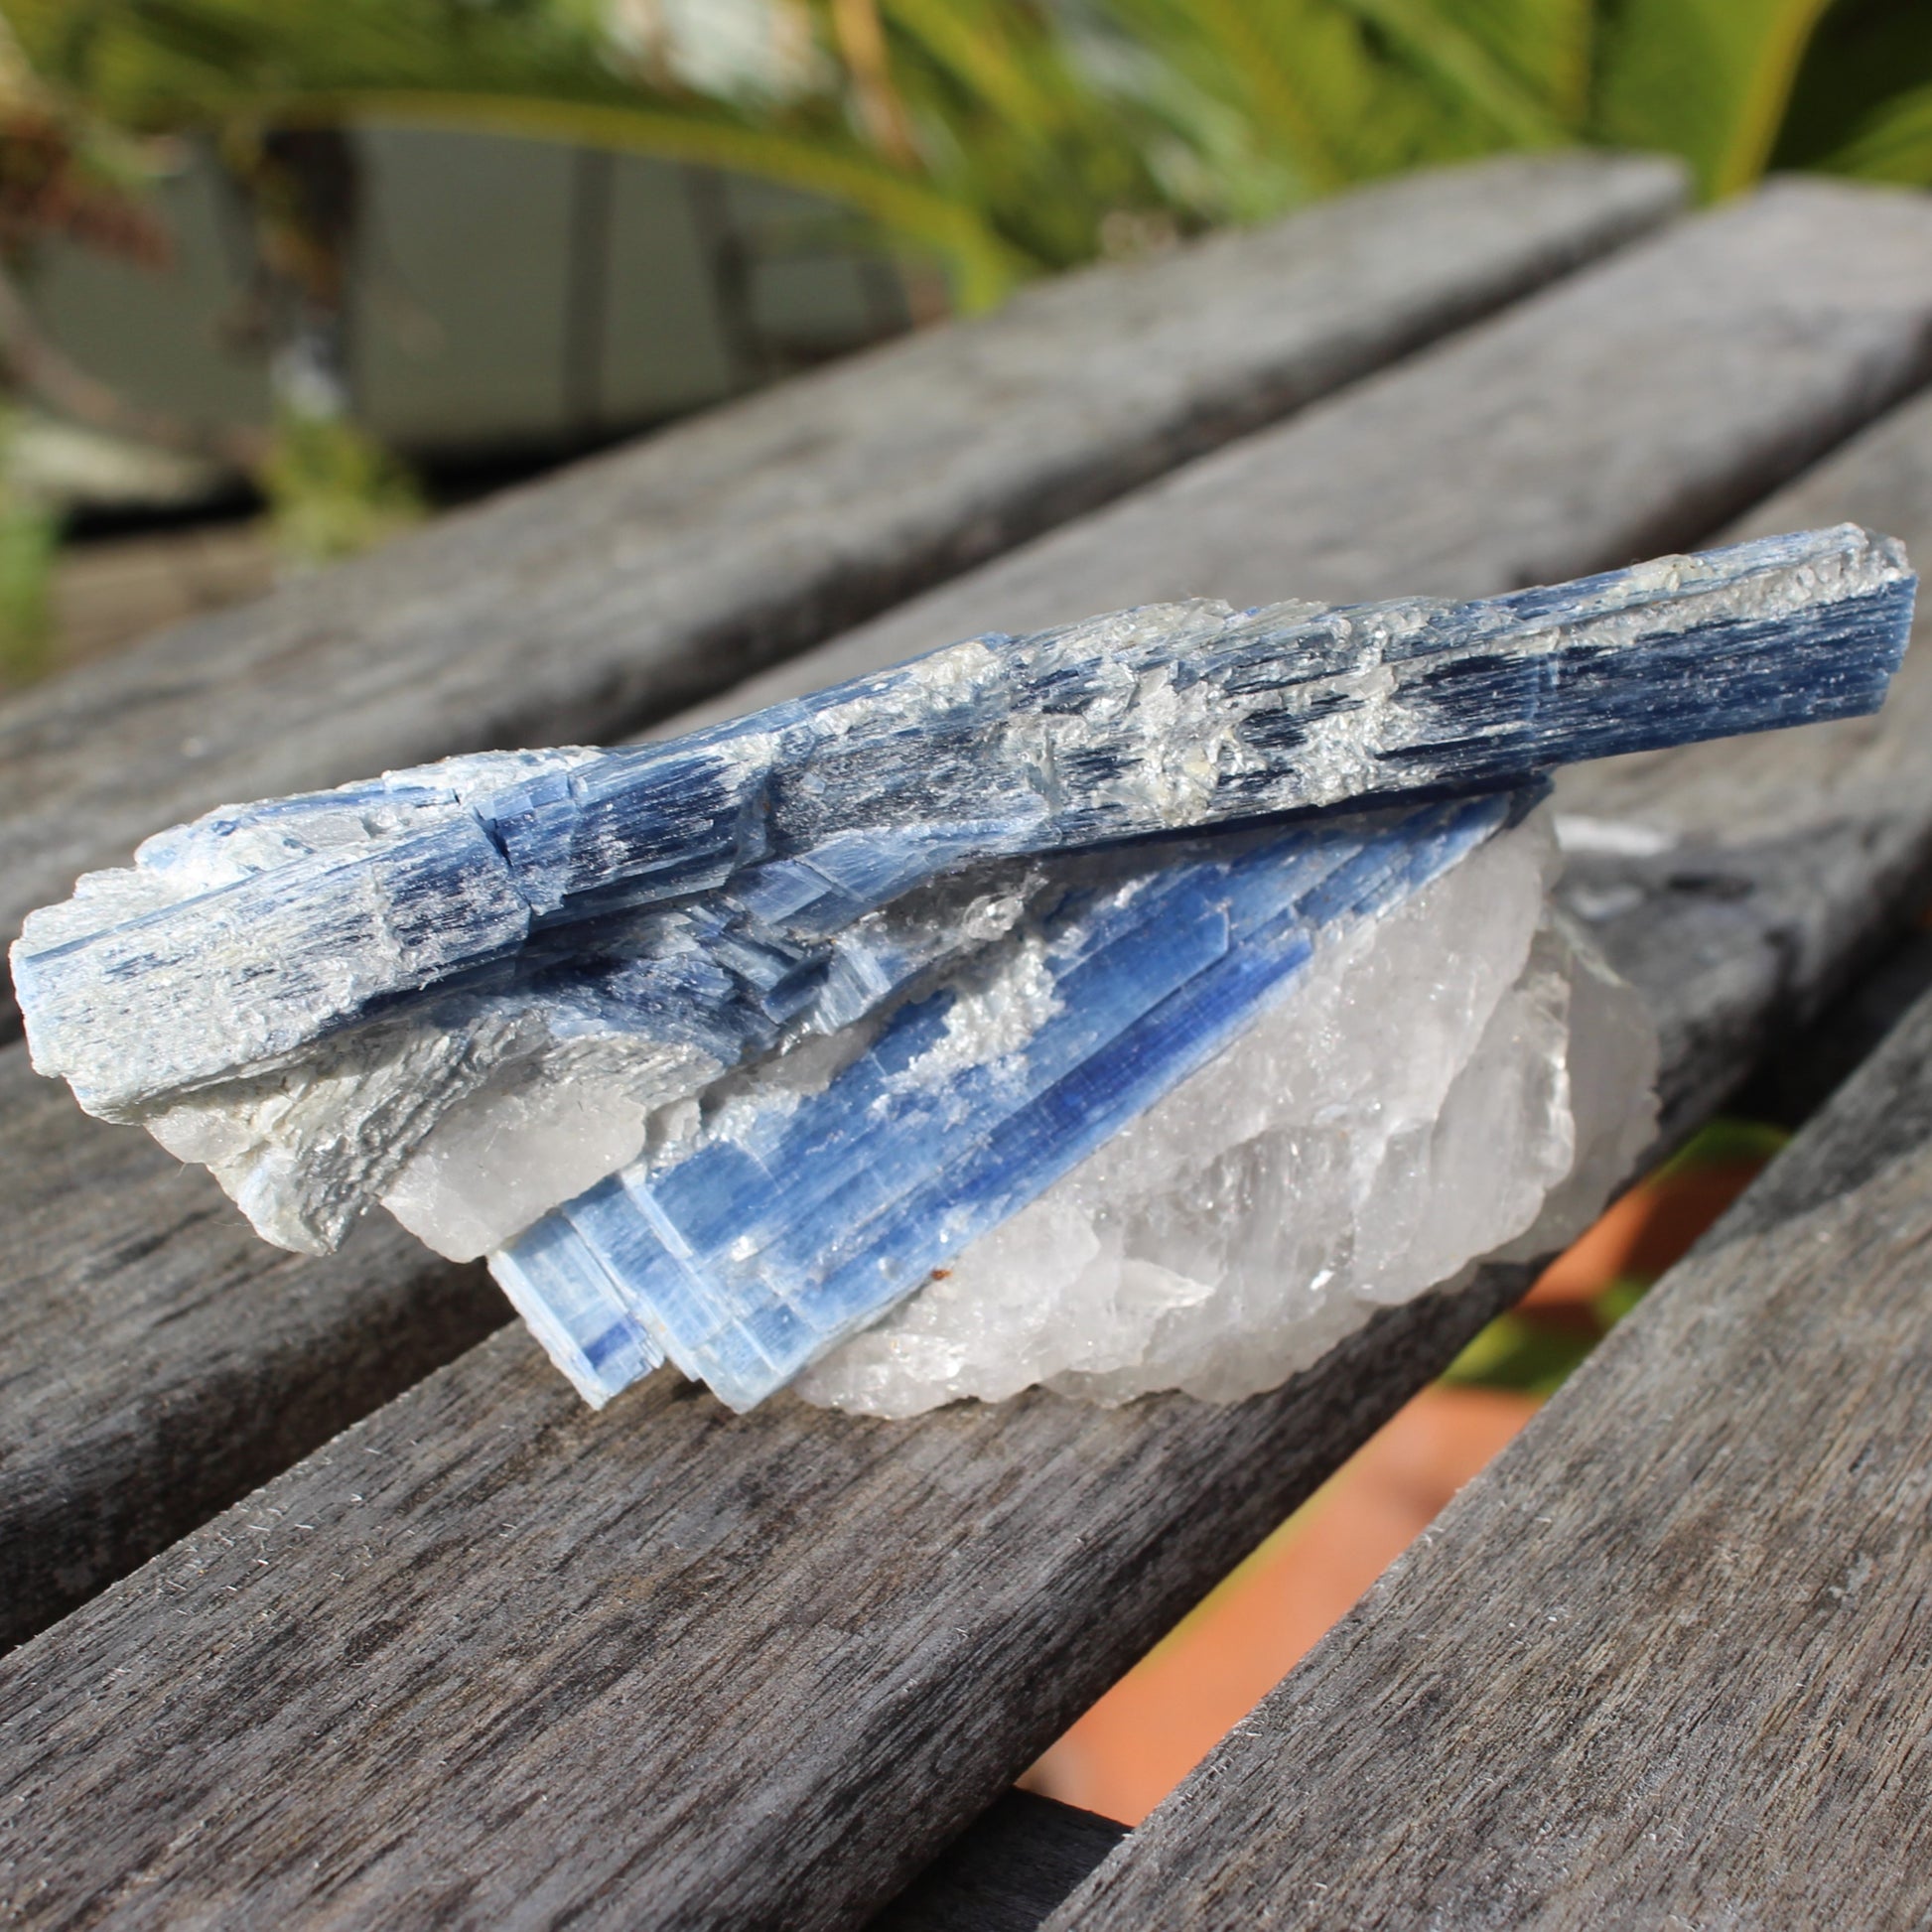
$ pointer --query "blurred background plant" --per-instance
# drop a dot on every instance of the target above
(997, 140)
(1008, 137)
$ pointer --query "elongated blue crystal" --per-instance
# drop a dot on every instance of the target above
(1123, 726)
(794, 1224)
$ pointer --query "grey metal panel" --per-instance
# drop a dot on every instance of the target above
(812, 284)
(465, 249)
(156, 337)
(503, 292)
(664, 346)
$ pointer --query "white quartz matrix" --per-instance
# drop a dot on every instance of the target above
(1457, 1080)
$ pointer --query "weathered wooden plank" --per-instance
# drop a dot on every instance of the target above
(1007, 1871)
(1783, 867)
(228, 1359)
(1666, 1662)
(1738, 347)
(585, 605)
(493, 1658)
(1075, 393)
(755, 1667)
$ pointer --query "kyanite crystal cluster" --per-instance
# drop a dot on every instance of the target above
(1461, 1078)
(1127, 1006)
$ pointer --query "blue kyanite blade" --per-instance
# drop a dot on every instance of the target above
(804, 1221)
(758, 952)
(563, 1293)
(299, 919)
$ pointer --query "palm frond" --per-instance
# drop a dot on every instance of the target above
(1006, 136)
(1463, 68)
(1893, 143)
(1709, 79)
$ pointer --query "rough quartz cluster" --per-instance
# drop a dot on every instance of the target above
(1124, 1006)
(1459, 1080)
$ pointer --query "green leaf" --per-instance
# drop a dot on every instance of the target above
(1514, 1352)
(1457, 62)
(333, 491)
(1892, 143)
(985, 267)
(1708, 80)
(1292, 68)
(1727, 1142)
(1865, 61)
(30, 538)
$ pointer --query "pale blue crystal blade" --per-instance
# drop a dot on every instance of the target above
(765, 1246)
(575, 1309)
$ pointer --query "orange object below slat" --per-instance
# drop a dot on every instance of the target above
(1147, 1733)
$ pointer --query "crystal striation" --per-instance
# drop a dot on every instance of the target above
(781, 1221)
(1459, 1079)
(721, 1046)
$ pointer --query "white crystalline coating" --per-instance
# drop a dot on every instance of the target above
(996, 1014)
(541, 1131)
(527, 1121)
(1462, 1079)
(344, 837)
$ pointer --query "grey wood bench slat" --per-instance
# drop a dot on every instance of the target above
(582, 606)
(1669, 1660)
(162, 1361)
(1683, 378)
(489, 1656)
(157, 1360)
(1791, 862)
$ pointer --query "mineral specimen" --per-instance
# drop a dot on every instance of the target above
(1459, 1079)
(721, 1048)
(791, 1212)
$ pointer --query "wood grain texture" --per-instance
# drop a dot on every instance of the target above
(108, 1454)
(492, 1658)
(157, 1359)
(1788, 865)
(1669, 1661)
(1007, 1871)
(584, 605)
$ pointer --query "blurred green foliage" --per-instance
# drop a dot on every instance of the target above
(333, 491)
(1531, 1356)
(1010, 137)
(1004, 139)
(29, 533)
